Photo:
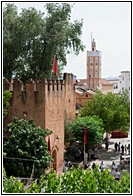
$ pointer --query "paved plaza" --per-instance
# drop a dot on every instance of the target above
(109, 156)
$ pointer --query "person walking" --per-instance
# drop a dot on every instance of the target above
(122, 164)
(119, 147)
(128, 147)
(80, 155)
(113, 163)
(96, 152)
(116, 145)
(122, 149)
(125, 149)
(101, 166)
(113, 172)
(106, 145)
(117, 174)
(85, 166)
(93, 166)
(69, 165)
(89, 167)
(114, 166)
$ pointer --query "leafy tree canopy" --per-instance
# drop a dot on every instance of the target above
(6, 97)
(32, 38)
(74, 181)
(94, 129)
(25, 143)
(11, 185)
(113, 109)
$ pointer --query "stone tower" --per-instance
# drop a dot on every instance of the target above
(50, 103)
(93, 66)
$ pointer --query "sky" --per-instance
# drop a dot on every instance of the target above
(110, 25)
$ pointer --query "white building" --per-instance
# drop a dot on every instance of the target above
(121, 83)
(124, 81)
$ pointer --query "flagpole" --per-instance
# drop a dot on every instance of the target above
(54, 67)
(85, 142)
(84, 154)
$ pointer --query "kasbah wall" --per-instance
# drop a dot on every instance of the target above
(50, 103)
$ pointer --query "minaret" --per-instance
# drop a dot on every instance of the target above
(93, 66)
(93, 45)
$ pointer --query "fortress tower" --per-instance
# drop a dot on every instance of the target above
(50, 103)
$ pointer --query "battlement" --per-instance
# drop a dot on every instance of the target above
(38, 85)
(49, 102)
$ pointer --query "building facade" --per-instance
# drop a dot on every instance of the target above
(120, 83)
(83, 95)
(115, 82)
(93, 66)
(124, 81)
(50, 103)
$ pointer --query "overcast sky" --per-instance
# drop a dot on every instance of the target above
(110, 24)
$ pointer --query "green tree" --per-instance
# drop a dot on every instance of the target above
(94, 129)
(6, 97)
(69, 135)
(26, 149)
(80, 181)
(113, 109)
(74, 181)
(32, 38)
(11, 185)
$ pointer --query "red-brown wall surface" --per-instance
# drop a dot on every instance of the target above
(70, 98)
(81, 99)
(48, 102)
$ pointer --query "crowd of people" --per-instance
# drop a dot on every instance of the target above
(114, 168)
(67, 165)
(94, 153)
(124, 149)
(91, 154)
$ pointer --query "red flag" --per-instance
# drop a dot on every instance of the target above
(49, 147)
(54, 67)
(85, 136)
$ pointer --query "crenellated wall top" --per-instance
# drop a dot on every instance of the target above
(36, 85)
